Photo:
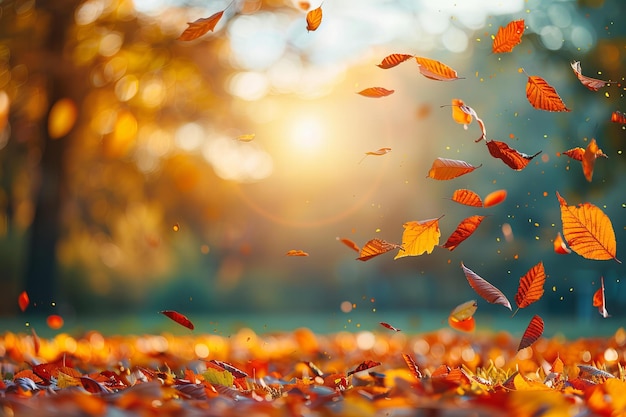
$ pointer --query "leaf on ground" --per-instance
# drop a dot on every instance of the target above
(375, 92)
(419, 237)
(217, 377)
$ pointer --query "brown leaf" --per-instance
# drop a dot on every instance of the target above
(365, 365)
(588, 231)
(508, 37)
(410, 363)
(314, 19)
(483, 288)
(392, 60)
(530, 286)
(532, 333)
(543, 96)
(200, 27)
(435, 70)
(591, 83)
(447, 169)
(463, 231)
(375, 92)
(514, 159)
(374, 248)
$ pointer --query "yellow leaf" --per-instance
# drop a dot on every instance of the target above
(62, 118)
(419, 237)
(523, 384)
(217, 377)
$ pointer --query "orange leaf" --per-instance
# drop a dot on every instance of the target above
(304, 5)
(389, 326)
(435, 70)
(588, 231)
(23, 300)
(392, 60)
(589, 157)
(458, 115)
(463, 231)
(577, 153)
(200, 27)
(559, 245)
(464, 311)
(532, 333)
(483, 288)
(514, 159)
(178, 318)
(248, 137)
(375, 92)
(599, 300)
(447, 169)
(296, 252)
(374, 248)
(542, 95)
(467, 197)
(349, 243)
(381, 151)
(508, 37)
(618, 117)
(410, 363)
(467, 325)
(314, 19)
(419, 237)
(530, 287)
(495, 197)
(591, 83)
(54, 321)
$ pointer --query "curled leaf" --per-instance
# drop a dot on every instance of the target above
(201, 26)
(483, 288)
(379, 152)
(178, 318)
(363, 366)
(467, 197)
(392, 60)
(589, 157)
(462, 317)
(458, 115)
(513, 158)
(508, 37)
(447, 169)
(463, 231)
(599, 299)
(435, 70)
(419, 237)
(532, 333)
(314, 19)
(374, 248)
(543, 96)
(588, 231)
(296, 252)
(410, 363)
(559, 245)
(375, 92)
(591, 83)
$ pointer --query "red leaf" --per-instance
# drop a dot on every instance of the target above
(618, 117)
(514, 159)
(410, 363)
(392, 60)
(591, 83)
(363, 366)
(483, 288)
(23, 300)
(375, 92)
(508, 37)
(530, 286)
(200, 27)
(599, 299)
(389, 326)
(178, 318)
(374, 248)
(463, 231)
(533, 332)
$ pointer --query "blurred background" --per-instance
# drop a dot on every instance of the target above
(140, 173)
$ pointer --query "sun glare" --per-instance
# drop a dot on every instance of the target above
(307, 135)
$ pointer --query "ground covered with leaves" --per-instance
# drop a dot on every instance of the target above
(300, 373)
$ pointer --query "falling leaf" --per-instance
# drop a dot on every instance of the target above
(178, 318)
(591, 83)
(508, 37)
(578, 153)
(463, 231)
(458, 115)
(543, 96)
(447, 169)
(467, 325)
(462, 317)
(349, 243)
(389, 326)
(23, 300)
(62, 118)
(599, 300)
(54, 321)
(495, 198)
(483, 288)
(374, 248)
(304, 5)
(410, 363)
(379, 152)
(532, 333)
(588, 231)
(435, 70)
(248, 137)
(296, 252)
(514, 159)
(419, 237)
(467, 197)
(375, 92)
(559, 245)
(618, 117)
(392, 60)
(200, 27)
(589, 158)
(365, 365)
(530, 287)
(314, 19)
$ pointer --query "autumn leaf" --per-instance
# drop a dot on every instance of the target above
(483, 288)
(217, 377)
(236, 372)
(463, 231)
(178, 318)
(467, 325)
(514, 159)
(559, 245)
(543, 96)
(54, 321)
(379, 152)
(419, 237)
(248, 137)
(23, 300)
(532, 333)
(530, 287)
(389, 326)
(314, 19)
(447, 169)
(392, 60)
(618, 117)
(296, 252)
(588, 231)
(200, 27)
(589, 157)
(304, 5)
(374, 248)
(508, 37)
(591, 83)
(435, 70)
(494, 198)
(458, 115)
(599, 299)
(375, 92)
(410, 363)
(349, 243)
(462, 316)
(363, 366)
(467, 197)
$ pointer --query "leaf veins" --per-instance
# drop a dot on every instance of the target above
(483, 288)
